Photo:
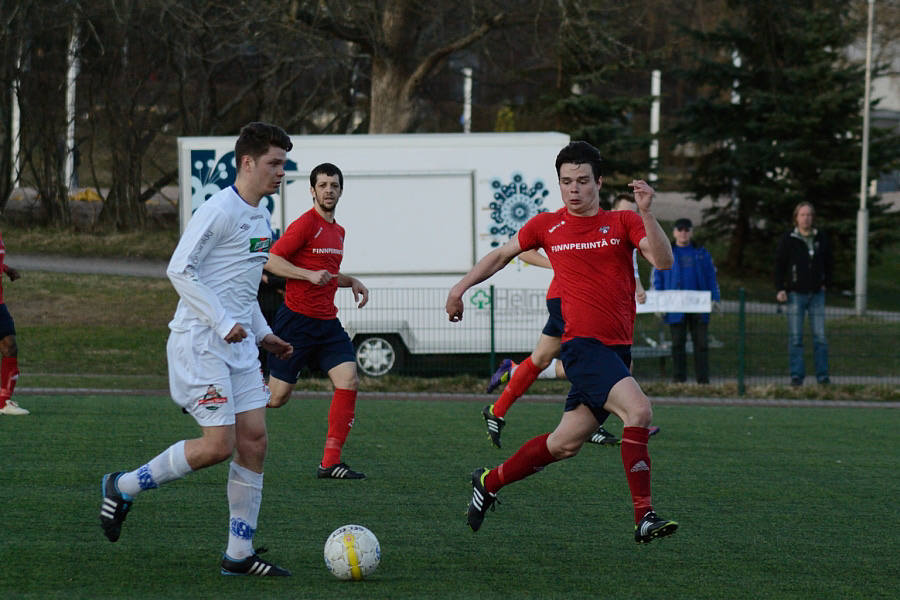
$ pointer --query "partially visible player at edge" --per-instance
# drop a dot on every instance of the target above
(591, 253)
(9, 349)
(309, 255)
(214, 372)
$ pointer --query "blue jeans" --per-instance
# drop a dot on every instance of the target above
(797, 306)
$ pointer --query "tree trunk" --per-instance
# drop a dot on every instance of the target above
(392, 108)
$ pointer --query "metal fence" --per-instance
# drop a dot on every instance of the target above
(407, 331)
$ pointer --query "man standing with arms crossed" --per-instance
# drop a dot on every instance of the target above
(591, 253)
(214, 372)
(309, 255)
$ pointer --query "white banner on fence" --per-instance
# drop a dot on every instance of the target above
(676, 301)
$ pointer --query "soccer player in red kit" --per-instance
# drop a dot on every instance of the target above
(309, 255)
(9, 363)
(590, 250)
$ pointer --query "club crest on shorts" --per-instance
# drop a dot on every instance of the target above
(213, 398)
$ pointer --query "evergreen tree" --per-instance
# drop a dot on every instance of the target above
(783, 127)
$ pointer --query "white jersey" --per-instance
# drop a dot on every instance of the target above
(217, 266)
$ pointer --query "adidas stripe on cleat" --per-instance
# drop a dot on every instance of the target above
(114, 508)
(494, 424)
(252, 565)
(481, 501)
(604, 438)
(339, 471)
(652, 527)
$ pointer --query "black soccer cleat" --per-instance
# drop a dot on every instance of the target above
(114, 508)
(604, 438)
(652, 527)
(481, 501)
(339, 471)
(252, 565)
(494, 424)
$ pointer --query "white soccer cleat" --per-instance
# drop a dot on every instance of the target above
(12, 408)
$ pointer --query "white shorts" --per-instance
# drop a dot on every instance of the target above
(212, 379)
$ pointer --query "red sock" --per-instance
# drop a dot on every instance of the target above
(340, 420)
(519, 382)
(528, 460)
(9, 374)
(637, 468)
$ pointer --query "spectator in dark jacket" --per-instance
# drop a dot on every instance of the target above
(693, 270)
(803, 269)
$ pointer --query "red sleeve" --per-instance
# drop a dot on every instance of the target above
(292, 240)
(635, 227)
(529, 235)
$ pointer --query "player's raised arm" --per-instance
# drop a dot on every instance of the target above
(655, 247)
(483, 269)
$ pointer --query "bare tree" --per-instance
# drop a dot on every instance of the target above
(407, 42)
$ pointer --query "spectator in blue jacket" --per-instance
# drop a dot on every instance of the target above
(693, 270)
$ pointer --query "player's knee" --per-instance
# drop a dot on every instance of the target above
(253, 445)
(277, 400)
(345, 377)
(641, 416)
(212, 452)
(565, 450)
(561, 449)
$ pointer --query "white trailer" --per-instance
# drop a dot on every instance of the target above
(419, 211)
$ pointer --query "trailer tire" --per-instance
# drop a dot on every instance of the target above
(377, 355)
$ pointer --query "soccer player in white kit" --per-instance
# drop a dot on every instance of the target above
(214, 371)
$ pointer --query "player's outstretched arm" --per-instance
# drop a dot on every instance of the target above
(483, 269)
(356, 286)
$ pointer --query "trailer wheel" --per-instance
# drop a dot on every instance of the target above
(378, 355)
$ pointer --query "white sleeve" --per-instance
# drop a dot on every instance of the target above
(259, 324)
(203, 232)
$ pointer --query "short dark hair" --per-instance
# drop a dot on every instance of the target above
(580, 153)
(623, 197)
(325, 169)
(256, 138)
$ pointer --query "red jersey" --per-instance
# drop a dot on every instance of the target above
(592, 265)
(312, 243)
(3, 267)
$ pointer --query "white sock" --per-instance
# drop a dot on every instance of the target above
(244, 497)
(549, 372)
(165, 467)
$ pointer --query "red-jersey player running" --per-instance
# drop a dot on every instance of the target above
(591, 253)
(309, 255)
(9, 349)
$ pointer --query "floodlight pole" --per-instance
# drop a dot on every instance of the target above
(862, 217)
(467, 100)
(655, 85)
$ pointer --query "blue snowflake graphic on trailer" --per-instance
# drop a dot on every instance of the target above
(513, 204)
(209, 176)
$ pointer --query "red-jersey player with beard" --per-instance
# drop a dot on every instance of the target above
(309, 255)
(590, 251)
